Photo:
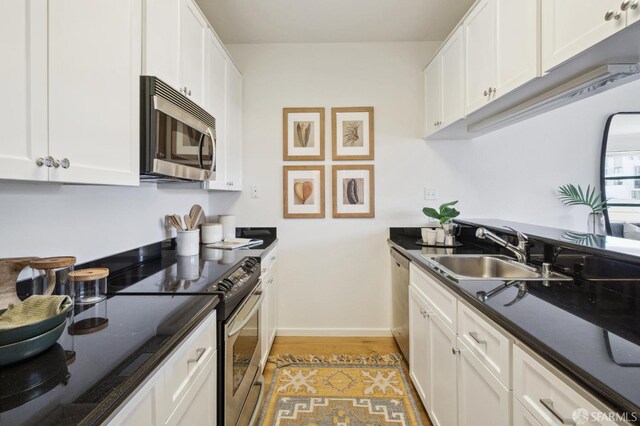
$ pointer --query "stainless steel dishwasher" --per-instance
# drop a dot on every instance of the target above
(400, 301)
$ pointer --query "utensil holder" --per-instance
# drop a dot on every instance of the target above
(188, 242)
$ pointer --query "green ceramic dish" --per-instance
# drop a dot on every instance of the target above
(19, 334)
(27, 348)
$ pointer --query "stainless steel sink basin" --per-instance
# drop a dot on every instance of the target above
(485, 267)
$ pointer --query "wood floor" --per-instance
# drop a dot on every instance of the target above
(339, 345)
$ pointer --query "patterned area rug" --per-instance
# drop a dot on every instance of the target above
(339, 390)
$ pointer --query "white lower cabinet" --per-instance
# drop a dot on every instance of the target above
(522, 417)
(269, 309)
(418, 344)
(550, 398)
(198, 407)
(183, 390)
(433, 362)
(482, 399)
(464, 374)
(443, 385)
(144, 408)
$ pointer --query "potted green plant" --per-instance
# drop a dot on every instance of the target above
(574, 195)
(443, 215)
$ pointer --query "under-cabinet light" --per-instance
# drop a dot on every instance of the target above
(588, 84)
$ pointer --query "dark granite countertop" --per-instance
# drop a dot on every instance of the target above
(588, 328)
(112, 362)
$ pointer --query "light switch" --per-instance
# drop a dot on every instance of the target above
(255, 193)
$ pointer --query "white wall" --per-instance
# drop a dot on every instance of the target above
(89, 222)
(512, 173)
(334, 273)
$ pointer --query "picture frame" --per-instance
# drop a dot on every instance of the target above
(303, 134)
(352, 131)
(304, 192)
(353, 188)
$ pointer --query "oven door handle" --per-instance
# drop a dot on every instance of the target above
(247, 318)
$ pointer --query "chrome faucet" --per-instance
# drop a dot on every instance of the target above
(521, 250)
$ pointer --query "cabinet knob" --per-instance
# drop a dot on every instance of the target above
(65, 163)
(628, 4)
(48, 161)
(492, 90)
(612, 15)
(486, 93)
(189, 92)
(455, 351)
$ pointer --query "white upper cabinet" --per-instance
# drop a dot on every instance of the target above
(452, 59)
(480, 55)
(94, 95)
(23, 39)
(501, 42)
(161, 41)
(233, 146)
(633, 11)
(571, 26)
(189, 56)
(517, 45)
(193, 34)
(176, 37)
(444, 78)
(433, 93)
(215, 102)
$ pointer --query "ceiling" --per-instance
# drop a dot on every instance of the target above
(325, 21)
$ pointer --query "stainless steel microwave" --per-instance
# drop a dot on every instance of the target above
(177, 137)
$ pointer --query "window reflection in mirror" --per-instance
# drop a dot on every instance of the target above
(620, 171)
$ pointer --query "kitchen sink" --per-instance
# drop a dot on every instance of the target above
(487, 267)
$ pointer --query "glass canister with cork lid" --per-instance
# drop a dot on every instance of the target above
(51, 275)
(90, 285)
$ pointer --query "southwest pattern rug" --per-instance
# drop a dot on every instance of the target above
(339, 390)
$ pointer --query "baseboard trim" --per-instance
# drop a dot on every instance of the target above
(334, 332)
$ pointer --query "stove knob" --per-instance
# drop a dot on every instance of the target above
(225, 284)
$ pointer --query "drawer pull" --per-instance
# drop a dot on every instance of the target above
(474, 336)
(199, 353)
(548, 404)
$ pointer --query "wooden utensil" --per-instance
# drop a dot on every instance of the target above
(197, 215)
(187, 222)
(178, 221)
(171, 222)
(175, 223)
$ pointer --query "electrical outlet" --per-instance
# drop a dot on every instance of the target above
(255, 193)
(430, 194)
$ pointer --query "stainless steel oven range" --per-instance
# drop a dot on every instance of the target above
(240, 382)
